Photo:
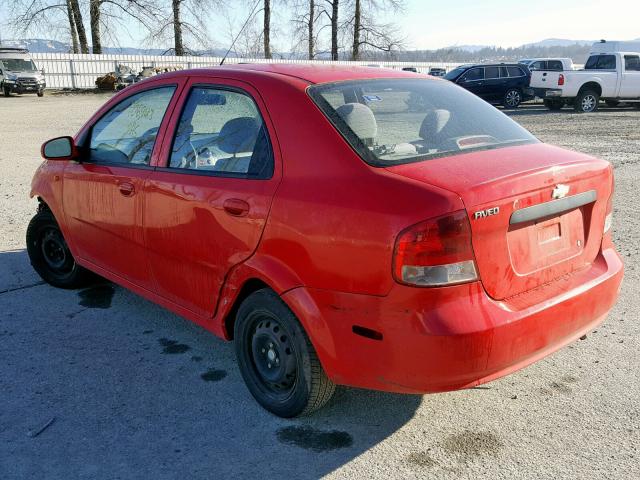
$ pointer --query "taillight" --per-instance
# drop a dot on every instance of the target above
(435, 252)
(608, 219)
(560, 80)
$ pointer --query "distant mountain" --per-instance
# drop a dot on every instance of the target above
(468, 48)
(560, 42)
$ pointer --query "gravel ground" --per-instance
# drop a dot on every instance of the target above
(136, 392)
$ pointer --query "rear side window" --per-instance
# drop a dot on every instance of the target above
(473, 74)
(601, 62)
(555, 65)
(632, 63)
(222, 132)
(515, 72)
(491, 72)
(504, 73)
(396, 121)
(126, 133)
(539, 65)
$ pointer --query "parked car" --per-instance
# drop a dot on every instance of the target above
(312, 216)
(18, 73)
(410, 69)
(612, 77)
(505, 84)
(437, 71)
(549, 64)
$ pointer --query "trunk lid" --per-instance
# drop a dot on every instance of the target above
(536, 211)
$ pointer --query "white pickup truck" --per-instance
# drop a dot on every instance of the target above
(612, 77)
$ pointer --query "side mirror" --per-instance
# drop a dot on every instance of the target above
(60, 148)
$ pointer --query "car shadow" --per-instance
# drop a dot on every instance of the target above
(102, 383)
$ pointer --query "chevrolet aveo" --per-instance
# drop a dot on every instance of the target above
(348, 226)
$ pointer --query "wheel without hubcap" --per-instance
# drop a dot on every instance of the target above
(276, 359)
(50, 256)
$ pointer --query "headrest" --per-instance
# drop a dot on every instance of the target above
(238, 135)
(433, 123)
(360, 119)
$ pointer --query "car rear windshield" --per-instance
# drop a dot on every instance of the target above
(395, 121)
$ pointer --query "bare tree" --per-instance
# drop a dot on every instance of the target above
(266, 32)
(94, 23)
(78, 25)
(333, 17)
(367, 32)
(306, 26)
(72, 29)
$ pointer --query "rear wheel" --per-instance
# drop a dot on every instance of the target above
(276, 358)
(512, 98)
(586, 101)
(554, 104)
(50, 255)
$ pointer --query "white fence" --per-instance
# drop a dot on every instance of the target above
(66, 70)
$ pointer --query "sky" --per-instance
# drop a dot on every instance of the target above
(431, 24)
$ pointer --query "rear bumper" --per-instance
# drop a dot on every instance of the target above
(547, 92)
(450, 338)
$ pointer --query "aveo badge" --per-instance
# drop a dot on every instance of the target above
(486, 213)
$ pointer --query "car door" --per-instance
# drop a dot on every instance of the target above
(630, 81)
(494, 87)
(208, 199)
(473, 80)
(103, 192)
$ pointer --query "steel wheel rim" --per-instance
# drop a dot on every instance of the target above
(272, 356)
(54, 251)
(513, 98)
(588, 103)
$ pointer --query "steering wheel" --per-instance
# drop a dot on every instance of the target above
(147, 137)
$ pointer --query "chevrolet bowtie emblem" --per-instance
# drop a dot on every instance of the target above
(560, 191)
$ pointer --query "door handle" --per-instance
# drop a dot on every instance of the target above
(127, 189)
(236, 207)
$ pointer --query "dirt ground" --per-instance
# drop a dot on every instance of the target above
(127, 390)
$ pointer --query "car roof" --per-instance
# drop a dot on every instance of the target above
(311, 73)
(502, 64)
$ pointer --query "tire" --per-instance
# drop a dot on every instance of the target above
(50, 256)
(586, 101)
(512, 98)
(41, 93)
(276, 358)
(7, 91)
(553, 105)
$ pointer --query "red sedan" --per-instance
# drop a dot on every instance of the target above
(342, 225)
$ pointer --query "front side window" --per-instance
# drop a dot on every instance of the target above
(632, 63)
(473, 75)
(222, 131)
(395, 121)
(539, 65)
(126, 133)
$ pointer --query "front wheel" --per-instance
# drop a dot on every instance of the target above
(50, 255)
(276, 358)
(512, 98)
(7, 91)
(586, 101)
(40, 93)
